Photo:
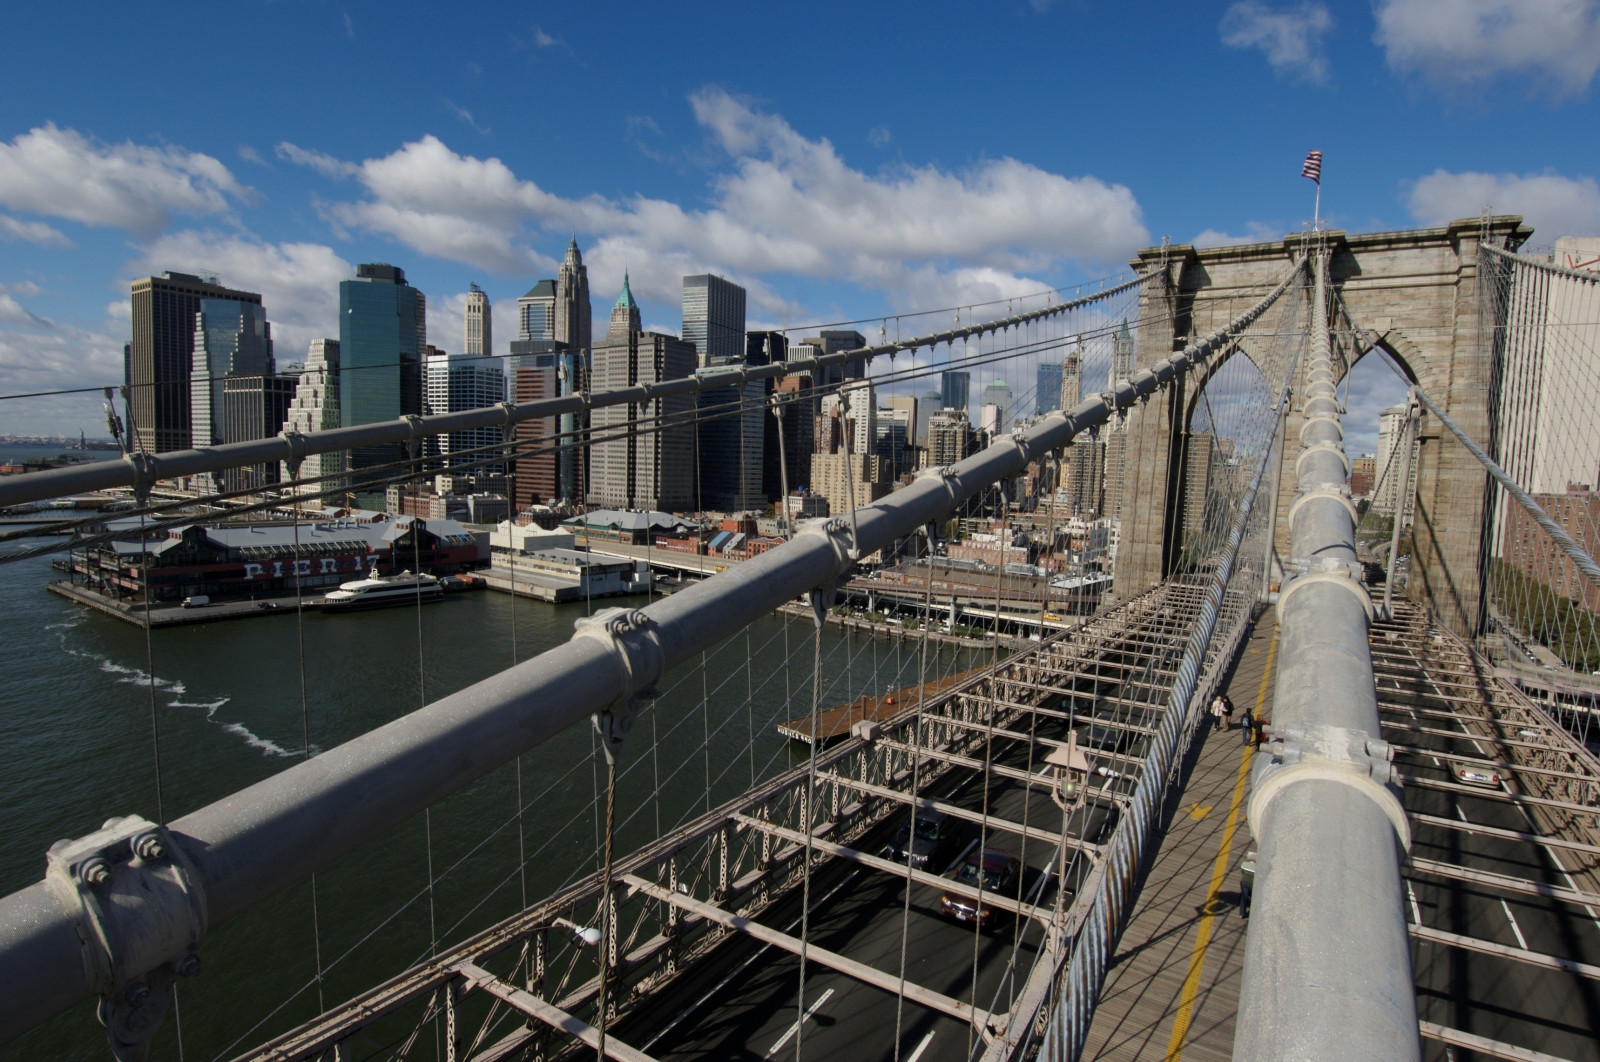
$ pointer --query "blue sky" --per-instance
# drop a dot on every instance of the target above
(840, 159)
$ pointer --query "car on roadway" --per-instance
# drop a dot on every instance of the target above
(1475, 774)
(999, 873)
(933, 844)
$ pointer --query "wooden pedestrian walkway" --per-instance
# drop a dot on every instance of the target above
(1173, 988)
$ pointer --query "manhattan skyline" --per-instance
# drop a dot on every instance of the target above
(829, 198)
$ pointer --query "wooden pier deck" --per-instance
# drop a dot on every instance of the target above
(1173, 988)
(836, 722)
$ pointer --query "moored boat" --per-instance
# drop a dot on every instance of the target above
(381, 591)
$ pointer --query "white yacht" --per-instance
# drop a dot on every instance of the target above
(382, 591)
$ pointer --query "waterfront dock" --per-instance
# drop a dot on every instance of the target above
(134, 612)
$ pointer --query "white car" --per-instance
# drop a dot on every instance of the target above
(1475, 774)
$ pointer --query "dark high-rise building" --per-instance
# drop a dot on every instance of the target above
(573, 320)
(955, 391)
(554, 324)
(1047, 398)
(536, 470)
(713, 318)
(732, 436)
(832, 343)
(383, 336)
(771, 348)
(160, 358)
(798, 427)
(536, 313)
(765, 348)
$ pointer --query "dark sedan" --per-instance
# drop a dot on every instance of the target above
(935, 841)
(998, 872)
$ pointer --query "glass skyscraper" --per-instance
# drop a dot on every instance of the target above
(231, 338)
(713, 318)
(383, 334)
(157, 363)
(1047, 398)
(955, 390)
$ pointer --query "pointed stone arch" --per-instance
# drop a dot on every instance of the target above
(1414, 293)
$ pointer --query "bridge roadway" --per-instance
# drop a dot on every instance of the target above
(741, 1002)
(1505, 921)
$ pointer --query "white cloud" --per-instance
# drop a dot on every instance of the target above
(324, 164)
(1290, 38)
(298, 282)
(250, 154)
(782, 205)
(454, 206)
(60, 173)
(16, 315)
(1556, 43)
(1254, 232)
(1552, 204)
(466, 116)
(40, 355)
(26, 288)
(35, 232)
(879, 136)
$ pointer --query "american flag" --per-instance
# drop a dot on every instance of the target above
(1313, 167)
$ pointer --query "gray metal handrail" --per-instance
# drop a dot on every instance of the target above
(1327, 969)
(1068, 1028)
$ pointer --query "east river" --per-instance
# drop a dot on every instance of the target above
(81, 719)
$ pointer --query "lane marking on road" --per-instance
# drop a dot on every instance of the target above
(1552, 855)
(818, 1002)
(1219, 872)
(742, 967)
(1516, 929)
(923, 1046)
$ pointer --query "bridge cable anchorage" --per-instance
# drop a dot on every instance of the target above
(412, 764)
(1326, 781)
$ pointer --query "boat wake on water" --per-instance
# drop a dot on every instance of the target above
(174, 689)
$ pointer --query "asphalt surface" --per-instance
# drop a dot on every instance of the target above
(1545, 1010)
(743, 1002)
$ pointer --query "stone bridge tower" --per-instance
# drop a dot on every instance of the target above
(1415, 294)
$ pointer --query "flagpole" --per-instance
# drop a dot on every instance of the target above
(1316, 211)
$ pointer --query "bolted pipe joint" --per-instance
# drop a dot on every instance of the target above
(630, 636)
(139, 914)
(134, 897)
(1351, 758)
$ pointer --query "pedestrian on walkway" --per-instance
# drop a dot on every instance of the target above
(1246, 729)
(1219, 712)
(1227, 711)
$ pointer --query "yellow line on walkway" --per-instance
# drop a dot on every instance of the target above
(1219, 872)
